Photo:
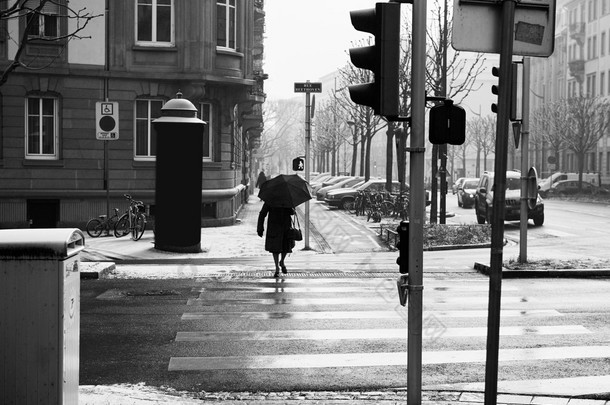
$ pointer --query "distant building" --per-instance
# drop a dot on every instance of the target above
(139, 54)
(579, 65)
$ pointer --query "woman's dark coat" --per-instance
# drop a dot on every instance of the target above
(280, 219)
(261, 179)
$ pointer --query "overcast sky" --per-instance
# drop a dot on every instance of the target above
(306, 39)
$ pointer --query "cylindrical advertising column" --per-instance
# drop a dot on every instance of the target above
(178, 181)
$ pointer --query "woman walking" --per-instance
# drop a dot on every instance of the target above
(276, 240)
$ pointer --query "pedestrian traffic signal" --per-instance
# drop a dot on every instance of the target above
(382, 58)
(298, 164)
(514, 96)
(447, 124)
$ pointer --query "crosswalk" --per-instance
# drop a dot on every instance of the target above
(355, 327)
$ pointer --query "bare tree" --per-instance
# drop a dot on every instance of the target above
(576, 123)
(482, 132)
(550, 124)
(41, 25)
(367, 122)
(457, 77)
(280, 136)
(589, 121)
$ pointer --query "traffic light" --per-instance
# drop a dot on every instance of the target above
(403, 250)
(514, 96)
(403, 247)
(382, 58)
(447, 124)
(298, 164)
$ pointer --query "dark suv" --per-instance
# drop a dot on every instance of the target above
(483, 199)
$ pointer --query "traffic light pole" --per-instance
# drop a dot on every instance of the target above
(525, 131)
(417, 206)
(497, 228)
(307, 161)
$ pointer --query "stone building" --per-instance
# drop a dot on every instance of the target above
(54, 169)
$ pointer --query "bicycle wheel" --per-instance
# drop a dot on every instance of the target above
(386, 208)
(349, 206)
(121, 228)
(94, 227)
(138, 227)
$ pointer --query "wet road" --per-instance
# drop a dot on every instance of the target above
(340, 333)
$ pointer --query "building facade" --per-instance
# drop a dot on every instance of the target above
(580, 65)
(55, 172)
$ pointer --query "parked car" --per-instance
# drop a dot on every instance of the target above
(466, 192)
(456, 185)
(338, 197)
(318, 181)
(512, 211)
(330, 181)
(569, 187)
(544, 186)
(348, 182)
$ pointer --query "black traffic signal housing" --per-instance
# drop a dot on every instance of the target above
(382, 58)
(298, 164)
(402, 283)
(447, 124)
(403, 247)
(514, 82)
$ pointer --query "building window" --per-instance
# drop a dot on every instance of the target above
(41, 128)
(591, 85)
(603, 44)
(43, 23)
(155, 22)
(602, 84)
(205, 113)
(145, 142)
(226, 24)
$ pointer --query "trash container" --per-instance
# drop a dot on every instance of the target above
(39, 315)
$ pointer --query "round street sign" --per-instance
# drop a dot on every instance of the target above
(551, 159)
(107, 123)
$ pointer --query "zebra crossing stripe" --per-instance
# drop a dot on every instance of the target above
(507, 313)
(380, 359)
(338, 334)
(283, 300)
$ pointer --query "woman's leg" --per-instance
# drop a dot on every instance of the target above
(282, 262)
(276, 258)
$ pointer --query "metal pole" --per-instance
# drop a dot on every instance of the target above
(417, 206)
(307, 160)
(497, 227)
(525, 131)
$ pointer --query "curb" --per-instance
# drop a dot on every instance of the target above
(550, 273)
(95, 270)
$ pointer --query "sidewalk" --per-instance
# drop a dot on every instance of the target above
(143, 395)
(238, 248)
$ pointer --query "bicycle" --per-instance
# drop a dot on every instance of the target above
(132, 221)
(96, 226)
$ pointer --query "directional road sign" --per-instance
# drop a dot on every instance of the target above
(308, 87)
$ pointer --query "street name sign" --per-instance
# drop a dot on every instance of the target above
(107, 120)
(477, 27)
(308, 87)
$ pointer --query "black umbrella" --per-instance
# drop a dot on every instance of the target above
(285, 190)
